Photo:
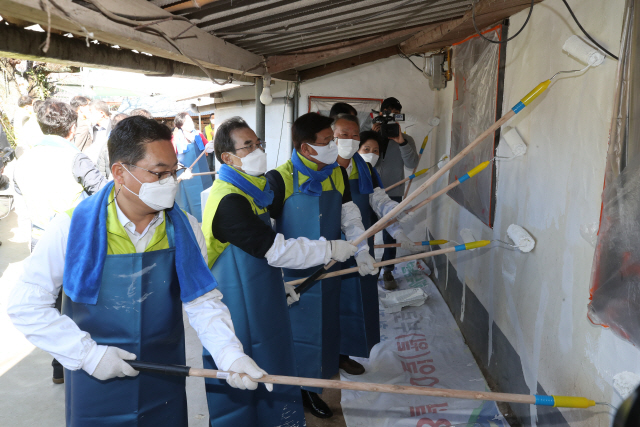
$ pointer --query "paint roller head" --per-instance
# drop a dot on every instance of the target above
(515, 142)
(443, 161)
(434, 121)
(579, 49)
(625, 383)
(521, 238)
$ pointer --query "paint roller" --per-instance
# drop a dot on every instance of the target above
(433, 122)
(573, 48)
(541, 400)
(187, 174)
(513, 139)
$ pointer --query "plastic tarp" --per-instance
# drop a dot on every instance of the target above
(475, 76)
(615, 279)
(363, 106)
(420, 346)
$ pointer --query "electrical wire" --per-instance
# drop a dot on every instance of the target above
(473, 19)
(587, 34)
(284, 109)
(402, 55)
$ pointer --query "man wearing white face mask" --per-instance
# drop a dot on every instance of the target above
(131, 261)
(312, 198)
(246, 256)
(359, 317)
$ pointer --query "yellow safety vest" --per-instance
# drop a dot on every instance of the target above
(220, 189)
(286, 170)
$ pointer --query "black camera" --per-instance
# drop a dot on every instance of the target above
(388, 126)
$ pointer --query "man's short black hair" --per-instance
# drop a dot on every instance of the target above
(222, 141)
(306, 127)
(24, 100)
(127, 140)
(37, 104)
(342, 108)
(79, 101)
(56, 118)
(371, 134)
(180, 118)
(391, 104)
(141, 112)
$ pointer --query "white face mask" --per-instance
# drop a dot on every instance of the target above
(327, 154)
(347, 147)
(254, 163)
(159, 195)
(370, 158)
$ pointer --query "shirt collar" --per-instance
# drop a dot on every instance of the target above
(131, 227)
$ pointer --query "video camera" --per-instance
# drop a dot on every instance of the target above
(388, 126)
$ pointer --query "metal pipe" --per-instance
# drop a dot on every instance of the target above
(259, 110)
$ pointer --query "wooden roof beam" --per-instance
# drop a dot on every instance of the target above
(212, 52)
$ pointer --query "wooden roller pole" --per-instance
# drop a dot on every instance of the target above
(426, 201)
(402, 181)
(194, 163)
(372, 387)
(382, 222)
(204, 173)
(380, 264)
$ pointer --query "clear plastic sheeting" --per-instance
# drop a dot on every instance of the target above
(420, 346)
(475, 74)
(615, 278)
(323, 104)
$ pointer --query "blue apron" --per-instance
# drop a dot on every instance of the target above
(188, 195)
(315, 319)
(254, 292)
(142, 314)
(359, 317)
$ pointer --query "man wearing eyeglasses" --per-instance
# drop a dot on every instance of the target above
(312, 198)
(246, 257)
(130, 260)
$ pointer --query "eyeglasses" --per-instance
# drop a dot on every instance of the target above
(252, 147)
(162, 176)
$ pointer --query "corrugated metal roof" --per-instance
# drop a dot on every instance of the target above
(300, 24)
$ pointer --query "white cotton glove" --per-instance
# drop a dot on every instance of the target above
(342, 250)
(209, 148)
(246, 365)
(365, 263)
(187, 174)
(407, 244)
(292, 295)
(113, 364)
(405, 216)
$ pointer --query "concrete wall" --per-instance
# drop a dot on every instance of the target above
(538, 301)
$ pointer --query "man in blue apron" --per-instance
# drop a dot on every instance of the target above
(246, 257)
(189, 145)
(359, 317)
(312, 199)
(130, 261)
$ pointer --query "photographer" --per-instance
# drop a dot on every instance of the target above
(396, 153)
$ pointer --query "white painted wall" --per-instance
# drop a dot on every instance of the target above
(539, 300)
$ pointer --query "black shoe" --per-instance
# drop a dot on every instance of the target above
(389, 281)
(58, 374)
(350, 366)
(315, 405)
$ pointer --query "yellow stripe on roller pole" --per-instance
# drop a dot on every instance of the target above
(478, 244)
(528, 99)
(573, 402)
(482, 166)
